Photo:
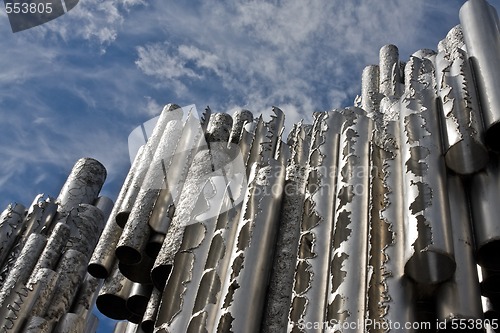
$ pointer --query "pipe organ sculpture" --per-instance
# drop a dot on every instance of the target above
(379, 217)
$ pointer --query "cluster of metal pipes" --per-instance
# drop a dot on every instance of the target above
(44, 253)
(373, 217)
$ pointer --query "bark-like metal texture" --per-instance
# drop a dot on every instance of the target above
(11, 225)
(390, 293)
(36, 324)
(21, 270)
(463, 137)
(132, 243)
(309, 299)
(244, 292)
(370, 96)
(388, 61)
(82, 186)
(460, 297)
(285, 259)
(429, 243)
(348, 261)
(240, 118)
(485, 186)
(71, 269)
(219, 127)
(47, 279)
(479, 22)
(149, 318)
(86, 223)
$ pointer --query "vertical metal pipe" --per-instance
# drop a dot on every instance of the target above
(82, 185)
(86, 297)
(37, 325)
(47, 279)
(348, 262)
(460, 297)
(463, 135)
(240, 118)
(243, 289)
(137, 300)
(479, 21)
(86, 223)
(285, 258)
(151, 312)
(485, 186)
(53, 249)
(388, 60)
(21, 270)
(309, 297)
(103, 257)
(11, 225)
(71, 269)
(113, 295)
(390, 293)
(429, 243)
(199, 172)
(170, 112)
(130, 247)
(370, 96)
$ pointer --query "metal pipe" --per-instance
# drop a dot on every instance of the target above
(137, 300)
(169, 113)
(240, 118)
(149, 318)
(484, 186)
(47, 279)
(309, 295)
(243, 289)
(22, 268)
(86, 223)
(370, 96)
(460, 297)
(429, 244)
(388, 60)
(285, 258)
(480, 27)
(82, 185)
(463, 135)
(103, 257)
(11, 225)
(37, 325)
(112, 298)
(390, 292)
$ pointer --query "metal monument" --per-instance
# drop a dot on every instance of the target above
(379, 217)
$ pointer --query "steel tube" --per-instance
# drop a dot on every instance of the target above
(11, 225)
(240, 118)
(309, 295)
(460, 297)
(480, 27)
(47, 279)
(429, 243)
(484, 186)
(388, 61)
(112, 298)
(463, 135)
(86, 223)
(149, 318)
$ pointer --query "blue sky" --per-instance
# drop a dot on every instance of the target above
(78, 85)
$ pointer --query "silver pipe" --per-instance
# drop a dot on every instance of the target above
(480, 27)
(149, 318)
(463, 135)
(285, 258)
(52, 251)
(429, 244)
(71, 269)
(460, 297)
(11, 225)
(22, 268)
(140, 272)
(390, 293)
(137, 300)
(484, 186)
(244, 291)
(388, 60)
(70, 323)
(103, 257)
(309, 303)
(86, 223)
(170, 112)
(47, 279)
(82, 185)
(192, 139)
(370, 96)
(106, 205)
(136, 232)
(240, 118)
(112, 298)
(38, 325)
(92, 324)
(86, 297)
(348, 262)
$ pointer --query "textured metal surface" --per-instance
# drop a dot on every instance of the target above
(240, 118)
(465, 152)
(485, 185)
(427, 218)
(112, 298)
(460, 297)
(388, 66)
(480, 27)
(309, 301)
(10, 228)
